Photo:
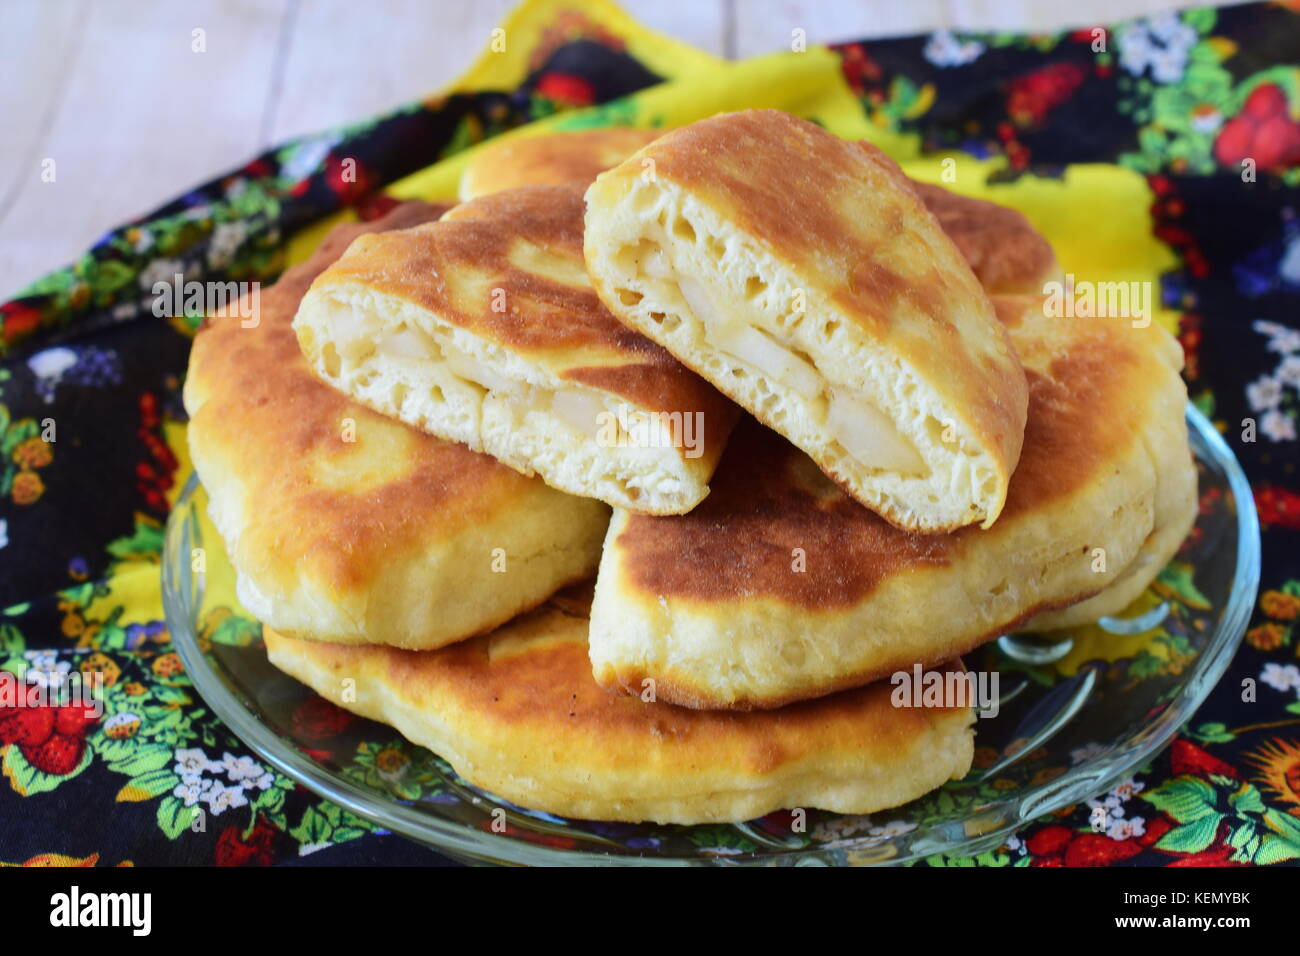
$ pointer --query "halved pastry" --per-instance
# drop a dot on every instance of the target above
(802, 276)
(482, 328)
(780, 587)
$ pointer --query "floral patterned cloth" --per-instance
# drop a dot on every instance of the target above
(1199, 107)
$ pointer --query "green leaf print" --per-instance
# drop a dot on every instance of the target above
(143, 543)
(174, 818)
(1214, 733)
(1194, 837)
(1186, 799)
(154, 783)
(12, 643)
(144, 760)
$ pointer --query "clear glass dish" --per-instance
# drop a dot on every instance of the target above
(1065, 731)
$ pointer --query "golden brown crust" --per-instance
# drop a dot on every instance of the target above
(844, 222)
(739, 540)
(286, 419)
(552, 317)
(779, 587)
(682, 692)
(550, 159)
(769, 498)
(518, 713)
(318, 492)
(1006, 253)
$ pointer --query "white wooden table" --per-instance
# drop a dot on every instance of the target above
(113, 93)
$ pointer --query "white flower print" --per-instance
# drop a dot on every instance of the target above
(1277, 426)
(45, 659)
(191, 790)
(1161, 44)
(160, 270)
(1264, 392)
(1170, 30)
(246, 772)
(52, 363)
(1135, 48)
(943, 49)
(1288, 372)
(1167, 65)
(4, 533)
(1265, 327)
(1285, 341)
(1126, 790)
(1110, 803)
(194, 763)
(1269, 393)
(1281, 338)
(45, 668)
(1281, 677)
(1127, 829)
(221, 798)
(225, 242)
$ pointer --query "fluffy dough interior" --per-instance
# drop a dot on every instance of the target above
(675, 271)
(483, 328)
(406, 362)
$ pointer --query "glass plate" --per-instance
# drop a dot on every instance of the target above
(1065, 731)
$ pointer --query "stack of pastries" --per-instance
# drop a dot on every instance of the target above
(626, 483)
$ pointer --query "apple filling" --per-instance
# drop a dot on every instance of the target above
(862, 429)
(867, 434)
(581, 412)
(748, 344)
(408, 345)
(481, 375)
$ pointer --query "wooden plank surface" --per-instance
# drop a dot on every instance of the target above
(131, 114)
